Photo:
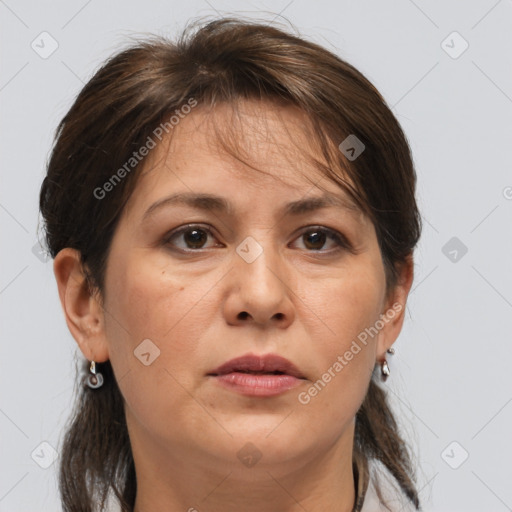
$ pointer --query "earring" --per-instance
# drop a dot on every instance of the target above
(95, 379)
(384, 366)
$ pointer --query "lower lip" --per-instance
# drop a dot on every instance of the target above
(252, 384)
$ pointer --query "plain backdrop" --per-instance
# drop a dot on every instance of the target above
(444, 67)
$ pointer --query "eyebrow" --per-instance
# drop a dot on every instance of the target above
(210, 202)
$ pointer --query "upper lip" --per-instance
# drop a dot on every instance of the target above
(267, 363)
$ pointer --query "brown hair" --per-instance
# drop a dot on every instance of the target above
(136, 90)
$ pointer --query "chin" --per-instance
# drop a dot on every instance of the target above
(271, 436)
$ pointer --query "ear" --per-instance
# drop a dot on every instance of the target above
(394, 310)
(84, 314)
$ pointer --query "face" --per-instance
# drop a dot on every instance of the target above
(191, 285)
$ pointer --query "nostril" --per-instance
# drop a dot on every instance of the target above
(243, 315)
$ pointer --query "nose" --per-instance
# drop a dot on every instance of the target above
(259, 292)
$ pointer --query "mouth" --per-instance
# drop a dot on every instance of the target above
(253, 375)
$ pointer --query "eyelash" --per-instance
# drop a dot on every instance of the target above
(340, 240)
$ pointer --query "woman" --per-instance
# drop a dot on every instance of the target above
(232, 220)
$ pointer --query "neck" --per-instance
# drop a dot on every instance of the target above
(178, 480)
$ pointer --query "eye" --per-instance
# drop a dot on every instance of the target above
(314, 238)
(194, 237)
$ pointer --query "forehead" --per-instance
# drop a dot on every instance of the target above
(272, 137)
(252, 145)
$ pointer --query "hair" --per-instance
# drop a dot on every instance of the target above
(132, 93)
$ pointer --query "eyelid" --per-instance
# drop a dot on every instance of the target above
(186, 227)
(341, 240)
(333, 233)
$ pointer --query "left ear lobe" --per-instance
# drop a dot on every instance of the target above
(394, 312)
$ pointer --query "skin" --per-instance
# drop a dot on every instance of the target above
(303, 301)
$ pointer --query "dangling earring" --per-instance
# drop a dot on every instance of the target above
(95, 379)
(385, 367)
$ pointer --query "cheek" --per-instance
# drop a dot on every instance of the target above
(150, 302)
(153, 301)
(347, 306)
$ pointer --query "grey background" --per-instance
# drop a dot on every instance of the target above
(450, 377)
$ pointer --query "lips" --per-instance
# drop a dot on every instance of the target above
(258, 376)
(266, 364)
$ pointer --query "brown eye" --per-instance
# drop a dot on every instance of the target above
(315, 238)
(193, 237)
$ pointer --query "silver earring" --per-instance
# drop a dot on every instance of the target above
(385, 368)
(95, 379)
